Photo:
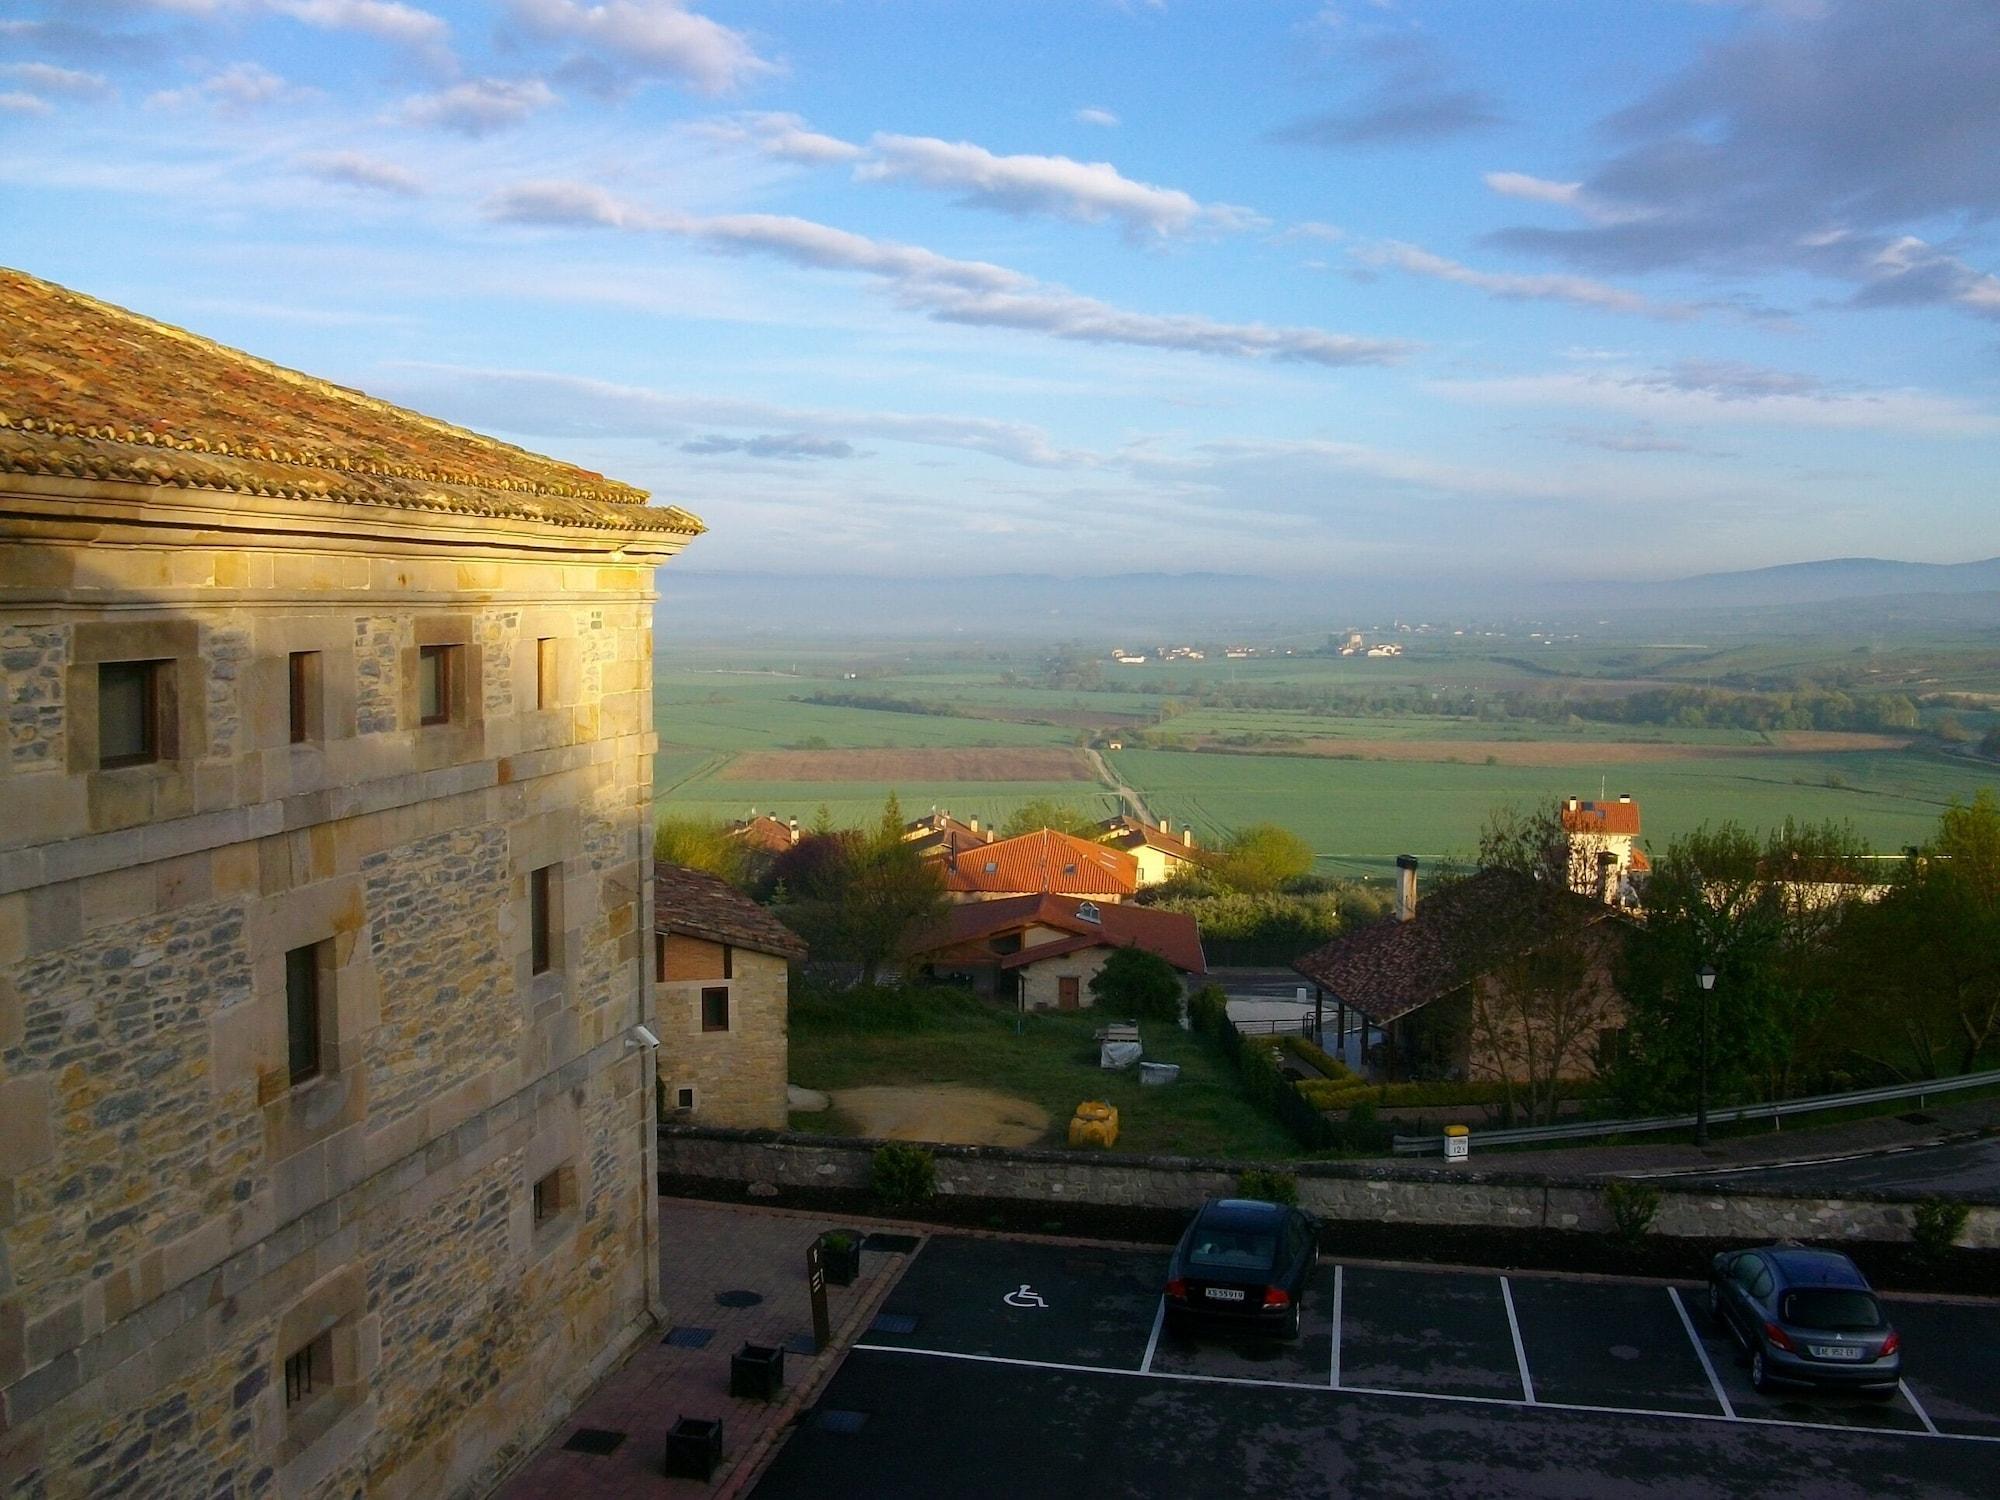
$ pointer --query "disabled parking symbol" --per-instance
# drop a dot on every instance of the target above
(1026, 1297)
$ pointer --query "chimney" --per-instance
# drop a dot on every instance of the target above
(973, 825)
(1569, 805)
(794, 827)
(1187, 834)
(989, 835)
(1606, 863)
(1406, 887)
(1625, 799)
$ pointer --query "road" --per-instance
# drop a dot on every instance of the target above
(1961, 1167)
(1134, 803)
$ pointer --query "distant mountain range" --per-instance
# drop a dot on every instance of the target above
(1153, 608)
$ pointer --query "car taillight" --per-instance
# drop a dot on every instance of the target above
(1779, 1337)
(1276, 1296)
(1891, 1344)
(1177, 1289)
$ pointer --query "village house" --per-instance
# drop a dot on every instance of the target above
(1605, 860)
(765, 833)
(326, 1159)
(1495, 976)
(1157, 853)
(938, 833)
(722, 964)
(1041, 952)
(1044, 862)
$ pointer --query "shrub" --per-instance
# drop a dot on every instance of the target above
(1314, 1056)
(1208, 1011)
(1136, 983)
(903, 1173)
(1936, 1225)
(1632, 1206)
(1267, 1184)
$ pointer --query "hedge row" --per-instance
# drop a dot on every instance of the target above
(1256, 1063)
(1337, 1095)
(1316, 1057)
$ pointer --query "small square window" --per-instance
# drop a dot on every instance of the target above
(544, 918)
(309, 1371)
(437, 672)
(547, 1196)
(545, 672)
(302, 1011)
(128, 712)
(715, 1009)
(684, 1099)
(303, 690)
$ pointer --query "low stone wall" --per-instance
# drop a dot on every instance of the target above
(1334, 1191)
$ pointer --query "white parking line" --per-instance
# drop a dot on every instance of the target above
(1520, 1353)
(1189, 1377)
(1333, 1375)
(1153, 1341)
(1701, 1353)
(1918, 1407)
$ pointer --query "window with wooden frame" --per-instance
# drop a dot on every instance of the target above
(303, 695)
(309, 1371)
(303, 1006)
(130, 705)
(545, 672)
(437, 683)
(715, 1008)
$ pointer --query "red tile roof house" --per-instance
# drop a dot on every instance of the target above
(1042, 951)
(1430, 980)
(1596, 829)
(1037, 864)
(1160, 856)
(722, 967)
(765, 832)
(940, 832)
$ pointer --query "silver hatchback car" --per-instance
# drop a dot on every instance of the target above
(1806, 1317)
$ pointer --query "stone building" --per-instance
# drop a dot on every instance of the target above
(325, 1147)
(723, 966)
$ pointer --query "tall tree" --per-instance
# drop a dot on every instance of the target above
(1262, 857)
(859, 897)
(1038, 813)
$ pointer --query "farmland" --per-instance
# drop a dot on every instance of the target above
(1363, 758)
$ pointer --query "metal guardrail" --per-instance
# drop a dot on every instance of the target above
(1584, 1130)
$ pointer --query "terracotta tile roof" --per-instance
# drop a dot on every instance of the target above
(940, 831)
(968, 932)
(1390, 968)
(91, 391)
(1043, 861)
(697, 904)
(1601, 817)
(771, 834)
(1129, 833)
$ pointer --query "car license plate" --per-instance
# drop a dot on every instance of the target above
(1837, 1351)
(1226, 1293)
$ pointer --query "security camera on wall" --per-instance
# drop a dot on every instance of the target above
(641, 1037)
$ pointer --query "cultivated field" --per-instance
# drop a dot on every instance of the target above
(891, 767)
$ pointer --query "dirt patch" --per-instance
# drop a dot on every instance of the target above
(1567, 752)
(1029, 763)
(947, 1113)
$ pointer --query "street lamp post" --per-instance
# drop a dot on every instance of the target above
(1705, 976)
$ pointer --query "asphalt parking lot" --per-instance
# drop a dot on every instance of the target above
(1007, 1368)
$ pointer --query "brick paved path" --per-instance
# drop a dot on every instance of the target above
(707, 1250)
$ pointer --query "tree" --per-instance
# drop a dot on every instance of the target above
(1045, 812)
(859, 897)
(1262, 857)
(1136, 983)
(702, 844)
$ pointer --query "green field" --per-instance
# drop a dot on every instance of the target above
(1359, 814)
(854, 804)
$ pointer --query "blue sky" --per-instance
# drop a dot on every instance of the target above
(1426, 288)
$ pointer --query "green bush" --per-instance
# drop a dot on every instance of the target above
(903, 1174)
(1208, 1011)
(1268, 1185)
(1632, 1206)
(1345, 1094)
(1133, 982)
(1936, 1225)
(1315, 1056)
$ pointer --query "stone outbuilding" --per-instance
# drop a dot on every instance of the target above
(326, 1147)
(723, 967)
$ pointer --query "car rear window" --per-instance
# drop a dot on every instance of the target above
(1232, 1249)
(1832, 1308)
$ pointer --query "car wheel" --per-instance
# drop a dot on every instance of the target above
(1760, 1375)
(1292, 1321)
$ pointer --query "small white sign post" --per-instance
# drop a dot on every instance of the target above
(1457, 1143)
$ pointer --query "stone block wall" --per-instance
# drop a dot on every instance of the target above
(739, 1075)
(177, 1216)
(1336, 1191)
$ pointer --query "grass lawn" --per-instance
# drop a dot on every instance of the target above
(947, 1037)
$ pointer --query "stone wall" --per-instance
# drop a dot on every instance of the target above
(177, 1214)
(1041, 982)
(1335, 1191)
(738, 1075)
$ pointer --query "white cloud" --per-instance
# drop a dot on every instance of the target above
(25, 104)
(49, 79)
(241, 86)
(1056, 185)
(1534, 189)
(1096, 116)
(387, 20)
(479, 106)
(976, 293)
(648, 39)
(784, 136)
(352, 169)
(1579, 290)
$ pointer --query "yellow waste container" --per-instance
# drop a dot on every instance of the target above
(1095, 1124)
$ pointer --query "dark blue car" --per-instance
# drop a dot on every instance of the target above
(1805, 1317)
(1242, 1265)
